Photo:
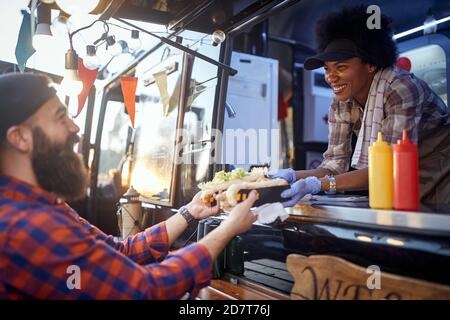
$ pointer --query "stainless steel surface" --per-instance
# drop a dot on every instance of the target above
(438, 221)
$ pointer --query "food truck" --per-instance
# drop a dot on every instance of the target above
(220, 85)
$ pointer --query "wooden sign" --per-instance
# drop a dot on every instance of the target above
(323, 277)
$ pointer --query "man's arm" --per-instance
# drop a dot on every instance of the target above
(238, 221)
(152, 244)
(48, 252)
(61, 260)
(177, 224)
(148, 246)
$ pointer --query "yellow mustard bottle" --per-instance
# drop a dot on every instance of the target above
(381, 179)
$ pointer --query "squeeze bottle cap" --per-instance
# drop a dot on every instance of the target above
(380, 145)
(405, 144)
(405, 138)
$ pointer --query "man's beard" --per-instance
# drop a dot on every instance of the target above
(57, 167)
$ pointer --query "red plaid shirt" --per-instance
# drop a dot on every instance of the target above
(43, 240)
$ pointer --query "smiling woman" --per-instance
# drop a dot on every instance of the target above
(350, 78)
(372, 96)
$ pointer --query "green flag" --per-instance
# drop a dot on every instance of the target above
(24, 47)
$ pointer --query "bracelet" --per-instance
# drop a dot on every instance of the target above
(332, 182)
(184, 212)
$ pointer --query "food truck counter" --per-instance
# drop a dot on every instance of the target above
(354, 211)
(410, 244)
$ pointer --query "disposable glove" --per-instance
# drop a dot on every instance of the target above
(300, 188)
(286, 174)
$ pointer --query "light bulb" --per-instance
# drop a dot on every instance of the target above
(429, 24)
(42, 42)
(61, 24)
(114, 48)
(71, 85)
(218, 37)
(134, 43)
(75, 7)
(42, 39)
(91, 60)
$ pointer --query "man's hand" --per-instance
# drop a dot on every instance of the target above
(299, 189)
(239, 221)
(286, 174)
(241, 218)
(200, 210)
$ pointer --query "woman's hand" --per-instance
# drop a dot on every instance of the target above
(199, 210)
(286, 174)
(299, 189)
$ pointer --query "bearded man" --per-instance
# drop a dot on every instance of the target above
(42, 239)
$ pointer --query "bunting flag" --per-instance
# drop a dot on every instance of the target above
(161, 82)
(194, 91)
(24, 47)
(88, 77)
(173, 101)
(129, 85)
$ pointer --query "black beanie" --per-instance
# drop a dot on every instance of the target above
(21, 95)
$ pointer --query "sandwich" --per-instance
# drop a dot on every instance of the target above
(233, 187)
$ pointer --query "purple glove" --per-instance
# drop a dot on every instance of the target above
(299, 189)
(286, 174)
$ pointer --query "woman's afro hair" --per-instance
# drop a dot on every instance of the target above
(351, 23)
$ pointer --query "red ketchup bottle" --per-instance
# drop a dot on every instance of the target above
(406, 174)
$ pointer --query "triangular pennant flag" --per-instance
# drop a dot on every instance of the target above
(24, 47)
(129, 85)
(88, 77)
(195, 90)
(161, 82)
(173, 102)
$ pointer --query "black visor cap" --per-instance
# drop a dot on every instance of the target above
(336, 50)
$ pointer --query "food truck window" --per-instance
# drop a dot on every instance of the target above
(113, 142)
(198, 117)
(157, 113)
(156, 117)
(200, 104)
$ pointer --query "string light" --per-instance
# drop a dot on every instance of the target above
(71, 84)
(42, 38)
(134, 43)
(91, 61)
(118, 50)
(114, 48)
(218, 37)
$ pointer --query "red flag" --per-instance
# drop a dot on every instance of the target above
(129, 85)
(88, 77)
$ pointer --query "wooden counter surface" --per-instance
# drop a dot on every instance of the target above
(223, 289)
